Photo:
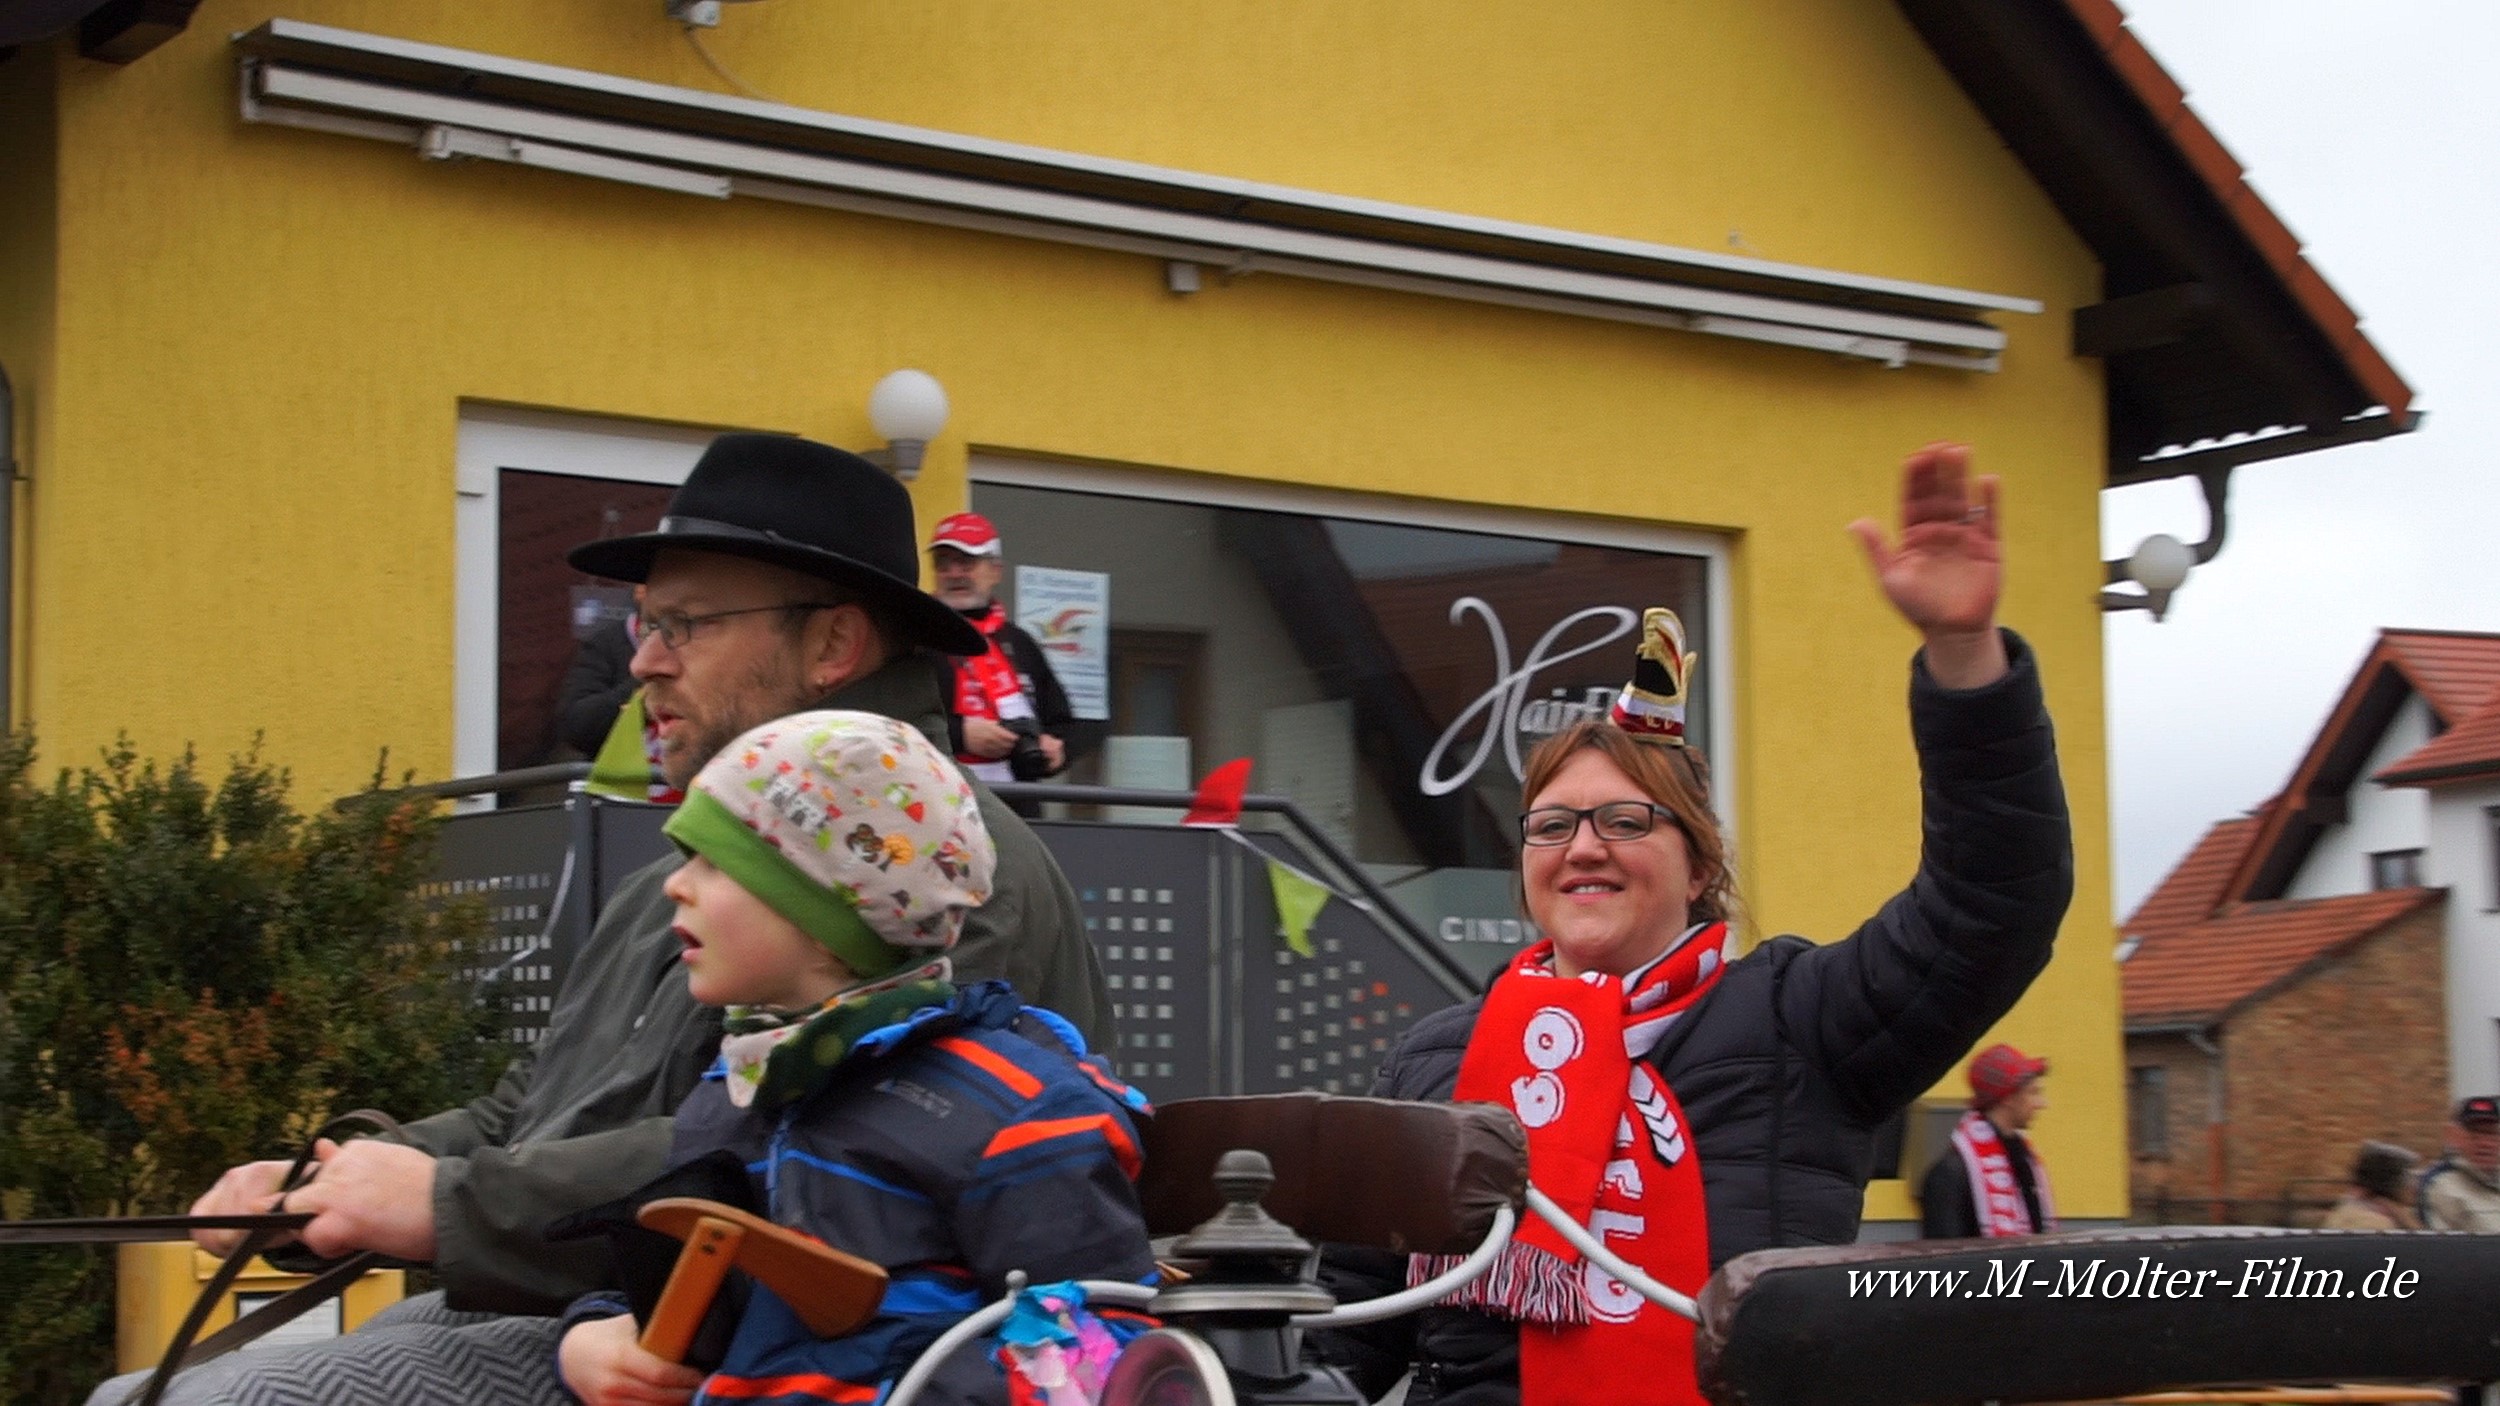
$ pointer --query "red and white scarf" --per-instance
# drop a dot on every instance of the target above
(1607, 1141)
(1993, 1189)
(988, 686)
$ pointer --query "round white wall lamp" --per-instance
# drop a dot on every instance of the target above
(907, 409)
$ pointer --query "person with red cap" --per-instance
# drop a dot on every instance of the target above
(2461, 1191)
(1010, 718)
(1990, 1182)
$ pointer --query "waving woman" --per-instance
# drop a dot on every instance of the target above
(1688, 1104)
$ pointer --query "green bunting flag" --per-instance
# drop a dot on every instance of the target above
(622, 767)
(1299, 897)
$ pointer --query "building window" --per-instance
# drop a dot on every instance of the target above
(1389, 668)
(2148, 1110)
(2396, 869)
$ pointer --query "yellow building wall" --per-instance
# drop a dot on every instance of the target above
(243, 507)
(28, 243)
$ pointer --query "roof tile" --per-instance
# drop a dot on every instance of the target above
(2194, 890)
(2471, 747)
(2457, 670)
(2201, 971)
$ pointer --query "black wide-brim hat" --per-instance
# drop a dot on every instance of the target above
(803, 505)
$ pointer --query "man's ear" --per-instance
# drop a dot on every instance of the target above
(843, 646)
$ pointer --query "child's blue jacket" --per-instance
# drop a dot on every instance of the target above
(965, 1141)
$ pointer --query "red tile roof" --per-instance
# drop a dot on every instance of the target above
(2468, 751)
(2456, 670)
(2198, 973)
(2195, 889)
(2274, 242)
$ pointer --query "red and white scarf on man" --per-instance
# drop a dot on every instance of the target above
(1607, 1141)
(1993, 1190)
(988, 686)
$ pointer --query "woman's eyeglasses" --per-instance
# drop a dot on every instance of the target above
(1611, 822)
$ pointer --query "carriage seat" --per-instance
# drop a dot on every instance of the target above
(1412, 1177)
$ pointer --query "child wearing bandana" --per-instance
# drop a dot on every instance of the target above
(949, 1134)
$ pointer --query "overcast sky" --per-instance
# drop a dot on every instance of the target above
(2373, 128)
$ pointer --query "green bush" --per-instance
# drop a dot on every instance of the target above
(192, 976)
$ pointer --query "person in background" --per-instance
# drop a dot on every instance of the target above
(1990, 1182)
(1011, 720)
(596, 684)
(2375, 1199)
(599, 714)
(2461, 1191)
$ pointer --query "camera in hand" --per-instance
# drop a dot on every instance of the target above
(1026, 761)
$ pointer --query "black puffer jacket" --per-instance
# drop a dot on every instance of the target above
(1788, 1067)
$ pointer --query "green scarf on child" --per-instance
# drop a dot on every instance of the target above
(775, 1057)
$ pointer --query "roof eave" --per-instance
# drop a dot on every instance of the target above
(2223, 345)
(2433, 776)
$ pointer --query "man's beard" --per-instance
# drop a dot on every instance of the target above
(773, 688)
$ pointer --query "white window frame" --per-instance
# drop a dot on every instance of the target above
(494, 438)
(1718, 672)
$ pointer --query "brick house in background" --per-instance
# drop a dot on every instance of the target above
(2321, 970)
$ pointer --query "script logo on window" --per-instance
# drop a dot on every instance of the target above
(1505, 708)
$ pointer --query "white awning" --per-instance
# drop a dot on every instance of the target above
(450, 103)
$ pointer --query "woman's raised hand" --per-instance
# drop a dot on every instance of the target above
(1944, 573)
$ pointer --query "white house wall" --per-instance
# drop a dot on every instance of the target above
(2380, 818)
(2463, 858)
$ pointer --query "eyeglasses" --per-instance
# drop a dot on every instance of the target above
(1612, 822)
(675, 627)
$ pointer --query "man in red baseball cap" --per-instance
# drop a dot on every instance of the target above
(1990, 1182)
(1010, 717)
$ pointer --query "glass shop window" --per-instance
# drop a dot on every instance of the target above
(1390, 678)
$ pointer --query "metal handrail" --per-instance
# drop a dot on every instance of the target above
(513, 780)
(990, 1315)
(1400, 923)
(1418, 942)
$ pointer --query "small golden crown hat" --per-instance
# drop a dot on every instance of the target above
(1651, 706)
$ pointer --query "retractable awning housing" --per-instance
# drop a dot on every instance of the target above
(446, 103)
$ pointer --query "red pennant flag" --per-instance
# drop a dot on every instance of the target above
(1219, 796)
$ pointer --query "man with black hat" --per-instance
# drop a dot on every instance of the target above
(782, 579)
(2461, 1191)
(1989, 1182)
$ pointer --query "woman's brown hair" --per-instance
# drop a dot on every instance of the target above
(1674, 777)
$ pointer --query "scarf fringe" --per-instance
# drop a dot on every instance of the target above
(1526, 1285)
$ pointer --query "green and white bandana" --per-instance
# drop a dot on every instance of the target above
(851, 825)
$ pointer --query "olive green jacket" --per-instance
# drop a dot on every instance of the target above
(581, 1117)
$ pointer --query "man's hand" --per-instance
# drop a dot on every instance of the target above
(1055, 751)
(370, 1195)
(248, 1190)
(1945, 573)
(605, 1365)
(987, 737)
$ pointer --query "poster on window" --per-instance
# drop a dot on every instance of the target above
(1069, 614)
